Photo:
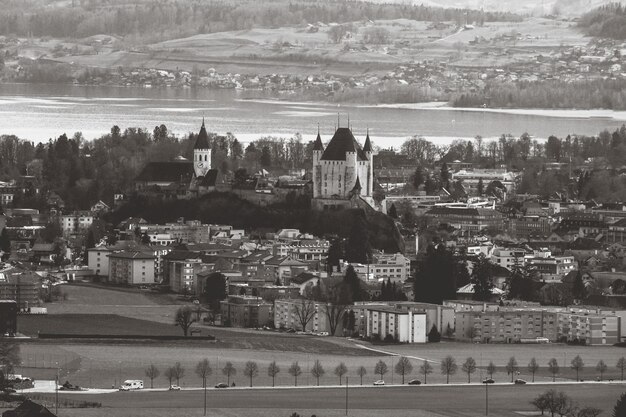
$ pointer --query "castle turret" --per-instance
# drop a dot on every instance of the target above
(369, 154)
(318, 150)
(202, 153)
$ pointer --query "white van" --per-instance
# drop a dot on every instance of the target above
(131, 384)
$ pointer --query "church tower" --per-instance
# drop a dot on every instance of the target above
(202, 153)
(318, 150)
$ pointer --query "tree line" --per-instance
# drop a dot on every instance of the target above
(402, 366)
(608, 21)
(154, 20)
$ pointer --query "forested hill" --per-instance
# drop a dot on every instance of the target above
(605, 22)
(143, 20)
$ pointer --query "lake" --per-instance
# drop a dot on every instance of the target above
(39, 112)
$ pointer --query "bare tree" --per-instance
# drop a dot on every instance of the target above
(601, 367)
(361, 372)
(403, 367)
(512, 367)
(533, 367)
(448, 367)
(184, 318)
(426, 369)
(152, 372)
(251, 370)
(577, 365)
(317, 371)
(491, 369)
(621, 365)
(273, 370)
(553, 366)
(340, 371)
(334, 315)
(295, 371)
(179, 372)
(381, 368)
(469, 367)
(170, 374)
(203, 370)
(229, 370)
(305, 312)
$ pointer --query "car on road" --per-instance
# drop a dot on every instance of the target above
(222, 385)
(415, 382)
(379, 382)
(174, 388)
(488, 381)
(520, 381)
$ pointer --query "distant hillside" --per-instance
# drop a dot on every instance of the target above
(605, 22)
(570, 8)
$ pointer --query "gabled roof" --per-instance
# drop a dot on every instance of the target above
(132, 254)
(167, 171)
(343, 141)
(302, 278)
(209, 179)
(284, 261)
(202, 142)
(29, 409)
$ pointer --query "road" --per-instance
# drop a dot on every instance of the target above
(448, 400)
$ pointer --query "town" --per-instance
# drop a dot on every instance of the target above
(466, 253)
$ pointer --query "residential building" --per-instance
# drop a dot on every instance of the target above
(528, 225)
(76, 222)
(288, 312)
(471, 178)
(468, 220)
(180, 269)
(506, 326)
(245, 311)
(508, 257)
(593, 329)
(131, 267)
(617, 232)
(555, 266)
(395, 267)
(403, 326)
(22, 287)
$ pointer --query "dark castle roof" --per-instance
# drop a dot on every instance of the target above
(167, 171)
(368, 145)
(202, 142)
(343, 141)
(317, 145)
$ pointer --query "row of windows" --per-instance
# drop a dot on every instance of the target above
(199, 158)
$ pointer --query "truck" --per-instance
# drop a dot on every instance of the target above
(131, 384)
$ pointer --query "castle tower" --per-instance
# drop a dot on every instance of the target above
(202, 153)
(369, 153)
(318, 150)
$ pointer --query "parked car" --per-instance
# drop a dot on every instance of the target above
(222, 385)
(379, 382)
(174, 388)
(488, 381)
(520, 381)
(415, 382)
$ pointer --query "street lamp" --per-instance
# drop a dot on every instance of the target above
(486, 382)
(56, 392)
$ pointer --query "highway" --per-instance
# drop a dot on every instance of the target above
(448, 400)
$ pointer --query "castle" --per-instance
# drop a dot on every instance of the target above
(343, 172)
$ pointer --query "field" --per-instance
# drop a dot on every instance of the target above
(294, 50)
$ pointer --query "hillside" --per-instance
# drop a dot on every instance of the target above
(228, 208)
(568, 8)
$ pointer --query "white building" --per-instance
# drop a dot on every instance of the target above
(395, 267)
(342, 170)
(404, 326)
(76, 222)
(472, 177)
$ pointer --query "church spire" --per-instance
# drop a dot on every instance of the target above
(202, 142)
(317, 145)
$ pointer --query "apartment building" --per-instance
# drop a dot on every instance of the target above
(245, 311)
(593, 329)
(506, 326)
(76, 222)
(130, 267)
(403, 326)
